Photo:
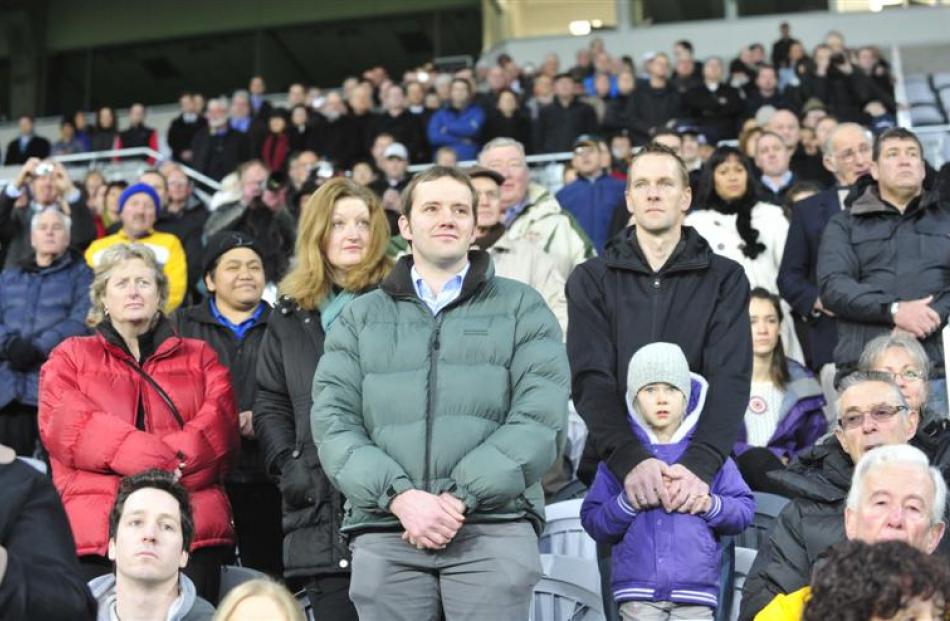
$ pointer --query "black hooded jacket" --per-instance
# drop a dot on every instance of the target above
(697, 300)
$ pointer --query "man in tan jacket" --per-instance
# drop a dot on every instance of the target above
(531, 212)
(517, 259)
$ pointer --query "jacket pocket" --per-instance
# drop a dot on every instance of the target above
(301, 486)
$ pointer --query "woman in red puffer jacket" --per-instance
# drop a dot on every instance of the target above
(132, 397)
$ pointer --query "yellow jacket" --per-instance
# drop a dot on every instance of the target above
(169, 252)
(785, 607)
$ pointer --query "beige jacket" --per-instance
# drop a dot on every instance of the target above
(520, 260)
(552, 229)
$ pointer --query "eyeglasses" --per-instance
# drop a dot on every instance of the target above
(853, 419)
(908, 375)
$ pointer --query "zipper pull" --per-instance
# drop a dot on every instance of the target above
(656, 282)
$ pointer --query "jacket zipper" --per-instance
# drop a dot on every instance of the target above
(430, 401)
(656, 304)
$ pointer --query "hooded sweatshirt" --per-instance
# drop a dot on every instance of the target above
(187, 607)
(660, 556)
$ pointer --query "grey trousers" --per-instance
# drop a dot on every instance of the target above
(661, 611)
(486, 573)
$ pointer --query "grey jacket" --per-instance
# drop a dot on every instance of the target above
(188, 606)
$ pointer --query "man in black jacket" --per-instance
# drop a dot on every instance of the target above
(659, 281)
(715, 105)
(563, 120)
(818, 483)
(184, 127)
(217, 150)
(233, 321)
(885, 262)
(847, 155)
(26, 144)
(655, 102)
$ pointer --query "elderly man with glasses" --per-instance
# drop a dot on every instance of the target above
(872, 412)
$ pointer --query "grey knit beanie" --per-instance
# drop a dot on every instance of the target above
(658, 362)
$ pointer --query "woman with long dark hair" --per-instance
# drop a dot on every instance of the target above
(740, 227)
(785, 413)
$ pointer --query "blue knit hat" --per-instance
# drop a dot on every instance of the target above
(140, 188)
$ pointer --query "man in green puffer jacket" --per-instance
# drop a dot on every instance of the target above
(439, 403)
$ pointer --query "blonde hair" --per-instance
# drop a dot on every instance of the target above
(312, 277)
(113, 257)
(260, 587)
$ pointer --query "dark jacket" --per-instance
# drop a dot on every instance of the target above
(651, 108)
(42, 578)
(45, 306)
(801, 420)
(188, 226)
(312, 509)
(717, 113)
(697, 300)
(872, 256)
(181, 133)
(557, 126)
(37, 146)
(138, 136)
(517, 126)
(240, 357)
(797, 278)
(15, 228)
(406, 128)
(818, 483)
(690, 544)
(844, 95)
(217, 155)
(102, 140)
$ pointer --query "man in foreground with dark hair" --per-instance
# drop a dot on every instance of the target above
(150, 531)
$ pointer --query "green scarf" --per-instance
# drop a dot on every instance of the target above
(332, 306)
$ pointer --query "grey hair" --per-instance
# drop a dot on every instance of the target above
(112, 257)
(899, 454)
(863, 377)
(828, 147)
(497, 143)
(241, 94)
(66, 220)
(878, 346)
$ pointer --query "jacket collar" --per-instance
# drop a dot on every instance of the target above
(201, 313)
(691, 253)
(158, 341)
(866, 199)
(821, 473)
(698, 386)
(399, 282)
(63, 261)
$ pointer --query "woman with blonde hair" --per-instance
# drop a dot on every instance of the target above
(259, 599)
(135, 396)
(340, 253)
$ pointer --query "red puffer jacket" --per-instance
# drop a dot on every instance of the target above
(89, 400)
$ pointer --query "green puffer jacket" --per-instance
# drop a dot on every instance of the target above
(472, 401)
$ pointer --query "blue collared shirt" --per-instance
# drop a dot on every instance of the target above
(514, 211)
(239, 329)
(240, 123)
(25, 142)
(786, 178)
(450, 292)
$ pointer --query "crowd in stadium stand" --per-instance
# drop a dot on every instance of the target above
(366, 384)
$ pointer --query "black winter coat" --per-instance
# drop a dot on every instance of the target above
(217, 155)
(650, 108)
(818, 483)
(871, 256)
(312, 508)
(557, 126)
(717, 113)
(698, 300)
(42, 579)
(188, 226)
(240, 357)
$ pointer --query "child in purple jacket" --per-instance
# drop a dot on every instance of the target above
(665, 565)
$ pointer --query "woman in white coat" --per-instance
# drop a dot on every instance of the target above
(740, 227)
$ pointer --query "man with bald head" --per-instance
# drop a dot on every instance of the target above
(806, 167)
(846, 155)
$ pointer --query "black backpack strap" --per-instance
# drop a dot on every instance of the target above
(164, 395)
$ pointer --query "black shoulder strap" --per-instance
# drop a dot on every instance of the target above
(164, 395)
